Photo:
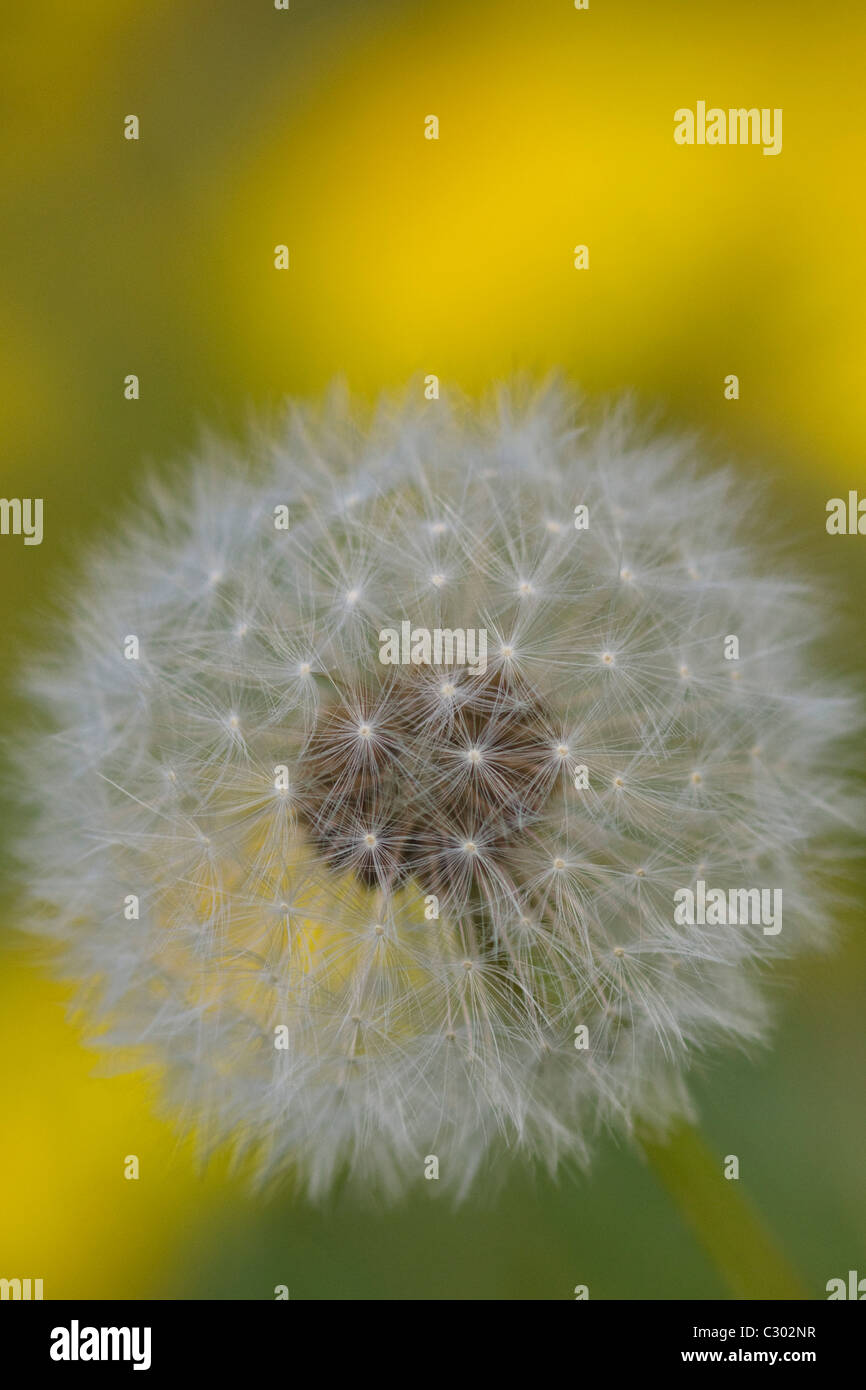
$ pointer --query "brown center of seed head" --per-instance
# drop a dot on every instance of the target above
(404, 778)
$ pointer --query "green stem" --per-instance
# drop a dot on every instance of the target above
(722, 1217)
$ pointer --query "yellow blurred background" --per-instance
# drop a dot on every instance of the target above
(412, 256)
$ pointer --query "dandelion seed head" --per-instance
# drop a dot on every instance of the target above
(408, 1033)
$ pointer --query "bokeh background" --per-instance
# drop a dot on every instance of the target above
(412, 256)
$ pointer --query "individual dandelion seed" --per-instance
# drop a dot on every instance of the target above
(282, 805)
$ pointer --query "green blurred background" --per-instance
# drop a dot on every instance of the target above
(411, 256)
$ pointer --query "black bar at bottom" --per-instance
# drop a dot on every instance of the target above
(151, 1338)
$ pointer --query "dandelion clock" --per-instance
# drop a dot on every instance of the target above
(441, 781)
